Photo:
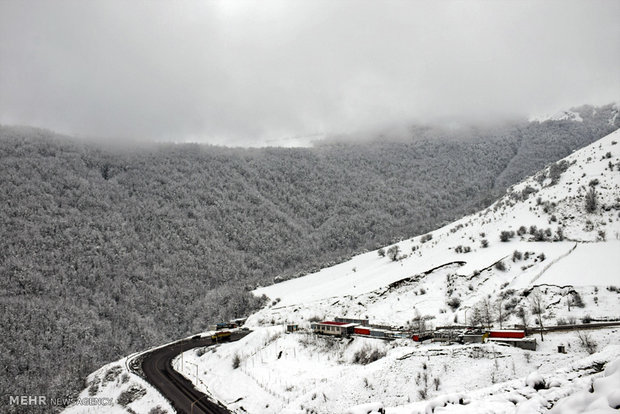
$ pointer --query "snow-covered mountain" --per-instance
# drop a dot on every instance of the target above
(557, 232)
(541, 231)
(575, 114)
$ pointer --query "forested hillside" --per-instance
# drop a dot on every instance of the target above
(105, 251)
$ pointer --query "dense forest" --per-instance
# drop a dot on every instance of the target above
(105, 250)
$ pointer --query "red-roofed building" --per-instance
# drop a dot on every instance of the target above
(333, 328)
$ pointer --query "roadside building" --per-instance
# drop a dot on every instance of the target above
(333, 328)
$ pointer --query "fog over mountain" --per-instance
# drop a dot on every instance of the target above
(277, 72)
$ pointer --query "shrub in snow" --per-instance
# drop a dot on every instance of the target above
(462, 249)
(559, 234)
(367, 354)
(454, 303)
(94, 387)
(236, 361)
(591, 200)
(112, 374)
(381, 252)
(536, 381)
(556, 169)
(158, 410)
(444, 400)
(426, 237)
(423, 393)
(506, 235)
(130, 395)
(500, 266)
(368, 408)
(392, 253)
(587, 342)
(576, 300)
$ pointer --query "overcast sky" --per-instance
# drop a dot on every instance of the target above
(254, 72)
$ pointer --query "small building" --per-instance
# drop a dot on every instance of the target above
(507, 333)
(333, 328)
(474, 337)
(399, 335)
(422, 336)
(379, 333)
(292, 327)
(358, 330)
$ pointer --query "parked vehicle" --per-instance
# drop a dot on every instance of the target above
(221, 336)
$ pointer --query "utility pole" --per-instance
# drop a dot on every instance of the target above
(196, 365)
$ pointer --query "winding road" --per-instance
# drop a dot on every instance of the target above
(157, 368)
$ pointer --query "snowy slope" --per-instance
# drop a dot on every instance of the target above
(549, 205)
(113, 388)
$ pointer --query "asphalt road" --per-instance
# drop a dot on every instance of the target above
(157, 367)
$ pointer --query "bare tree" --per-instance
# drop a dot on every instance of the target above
(591, 200)
(538, 308)
(501, 315)
(393, 252)
(487, 312)
(476, 317)
(418, 322)
(587, 342)
(522, 313)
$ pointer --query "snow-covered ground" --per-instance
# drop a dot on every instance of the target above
(115, 389)
(549, 205)
(298, 372)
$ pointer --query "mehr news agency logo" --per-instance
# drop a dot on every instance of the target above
(44, 401)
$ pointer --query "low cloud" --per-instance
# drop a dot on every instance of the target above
(249, 73)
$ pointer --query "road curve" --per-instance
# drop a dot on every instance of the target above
(157, 368)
